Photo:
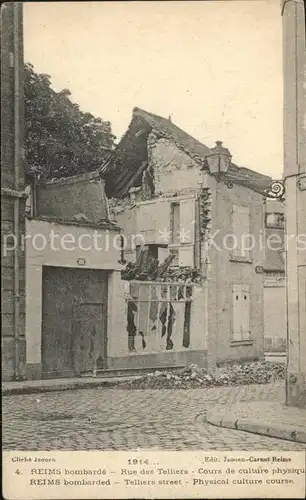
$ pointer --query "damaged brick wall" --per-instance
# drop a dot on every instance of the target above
(173, 168)
(175, 174)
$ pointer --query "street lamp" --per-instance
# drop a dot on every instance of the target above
(219, 160)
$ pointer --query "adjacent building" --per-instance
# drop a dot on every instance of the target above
(74, 291)
(12, 194)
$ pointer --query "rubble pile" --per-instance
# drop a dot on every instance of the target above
(182, 275)
(147, 268)
(194, 377)
(118, 206)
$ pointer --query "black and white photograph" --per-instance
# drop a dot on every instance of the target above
(153, 224)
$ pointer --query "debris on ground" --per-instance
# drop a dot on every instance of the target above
(192, 376)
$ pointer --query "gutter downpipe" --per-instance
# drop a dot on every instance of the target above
(16, 49)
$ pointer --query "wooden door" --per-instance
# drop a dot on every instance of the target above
(56, 324)
(89, 334)
(74, 321)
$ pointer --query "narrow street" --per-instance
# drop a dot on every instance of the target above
(118, 419)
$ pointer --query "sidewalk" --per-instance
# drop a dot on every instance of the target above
(62, 384)
(261, 417)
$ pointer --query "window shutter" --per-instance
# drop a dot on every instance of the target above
(241, 312)
(245, 314)
(187, 221)
(146, 219)
(153, 221)
(241, 230)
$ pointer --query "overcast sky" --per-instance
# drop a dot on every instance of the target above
(215, 66)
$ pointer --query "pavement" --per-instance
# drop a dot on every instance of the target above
(62, 384)
(111, 418)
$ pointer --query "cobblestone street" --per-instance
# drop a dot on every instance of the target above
(118, 419)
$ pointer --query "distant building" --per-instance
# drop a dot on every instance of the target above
(12, 193)
(275, 325)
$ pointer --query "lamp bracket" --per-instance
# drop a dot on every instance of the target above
(276, 190)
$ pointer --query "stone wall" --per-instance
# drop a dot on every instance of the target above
(173, 168)
(12, 206)
(56, 255)
(69, 197)
(227, 271)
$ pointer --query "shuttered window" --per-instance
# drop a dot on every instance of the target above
(242, 239)
(187, 221)
(187, 232)
(241, 329)
(183, 232)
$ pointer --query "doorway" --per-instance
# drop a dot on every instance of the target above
(74, 321)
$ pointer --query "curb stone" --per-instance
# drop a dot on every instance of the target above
(288, 433)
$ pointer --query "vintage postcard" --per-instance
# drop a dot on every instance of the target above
(153, 215)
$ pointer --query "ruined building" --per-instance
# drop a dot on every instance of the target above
(174, 196)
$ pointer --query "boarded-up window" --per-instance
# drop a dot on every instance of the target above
(241, 312)
(242, 238)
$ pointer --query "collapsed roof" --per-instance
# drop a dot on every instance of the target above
(124, 167)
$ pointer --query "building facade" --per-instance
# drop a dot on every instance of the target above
(167, 200)
(294, 50)
(74, 291)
